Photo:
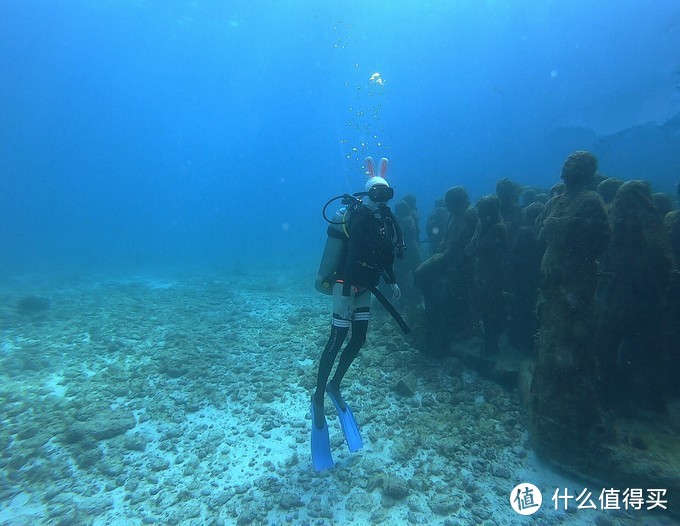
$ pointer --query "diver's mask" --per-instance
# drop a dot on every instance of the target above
(380, 193)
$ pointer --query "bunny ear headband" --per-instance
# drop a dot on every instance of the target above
(371, 178)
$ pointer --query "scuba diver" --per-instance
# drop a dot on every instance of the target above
(362, 239)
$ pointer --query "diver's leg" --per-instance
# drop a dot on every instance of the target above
(337, 337)
(339, 330)
(359, 328)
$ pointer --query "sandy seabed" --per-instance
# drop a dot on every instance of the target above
(185, 400)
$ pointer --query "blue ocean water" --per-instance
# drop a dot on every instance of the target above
(176, 134)
(163, 166)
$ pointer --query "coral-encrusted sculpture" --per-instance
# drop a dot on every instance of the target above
(488, 246)
(564, 410)
(632, 343)
(446, 278)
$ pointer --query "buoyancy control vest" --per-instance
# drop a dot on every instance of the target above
(361, 245)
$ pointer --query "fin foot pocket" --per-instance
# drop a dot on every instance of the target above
(349, 425)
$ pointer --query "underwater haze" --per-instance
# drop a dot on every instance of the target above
(153, 135)
(164, 165)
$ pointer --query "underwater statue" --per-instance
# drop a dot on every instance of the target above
(564, 410)
(524, 270)
(607, 190)
(508, 193)
(446, 278)
(632, 342)
(488, 246)
(435, 228)
(406, 266)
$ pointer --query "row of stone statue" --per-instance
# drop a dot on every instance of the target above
(583, 277)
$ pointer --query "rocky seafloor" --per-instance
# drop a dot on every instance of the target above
(186, 401)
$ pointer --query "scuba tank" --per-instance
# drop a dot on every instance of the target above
(338, 234)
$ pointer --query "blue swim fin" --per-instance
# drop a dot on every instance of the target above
(321, 445)
(349, 425)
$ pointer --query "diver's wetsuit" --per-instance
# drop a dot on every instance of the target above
(368, 254)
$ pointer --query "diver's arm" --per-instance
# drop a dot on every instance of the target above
(389, 276)
(396, 291)
(391, 280)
